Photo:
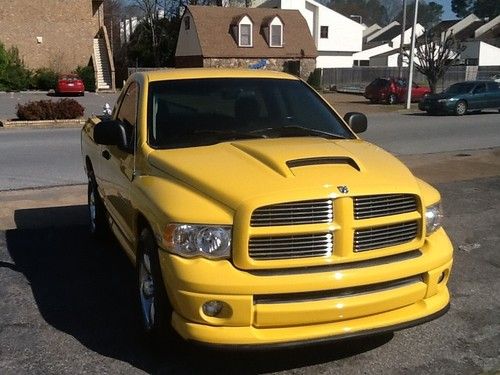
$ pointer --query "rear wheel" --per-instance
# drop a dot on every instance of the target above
(155, 308)
(392, 99)
(461, 108)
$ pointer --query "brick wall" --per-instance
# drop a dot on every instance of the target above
(306, 65)
(66, 29)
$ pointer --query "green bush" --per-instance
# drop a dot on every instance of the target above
(315, 79)
(86, 73)
(13, 74)
(44, 79)
(49, 110)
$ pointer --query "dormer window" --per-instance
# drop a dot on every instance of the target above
(276, 32)
(245, 32)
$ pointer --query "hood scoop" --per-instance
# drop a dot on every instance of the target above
(332, 160)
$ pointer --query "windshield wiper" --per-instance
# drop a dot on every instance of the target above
(295, 131)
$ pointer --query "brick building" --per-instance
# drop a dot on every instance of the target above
(257, 38)
(58, 34)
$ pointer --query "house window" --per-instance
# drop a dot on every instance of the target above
(324, 32)
(276, 36)
(245, 35)
(187, 23)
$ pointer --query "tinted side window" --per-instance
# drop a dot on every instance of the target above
(493, 86)
(480, 88)
(128, 109)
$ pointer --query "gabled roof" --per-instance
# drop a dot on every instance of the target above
(489, 30)
(370, 30)
(384, 34)
(468, 31)
(216, 37)
(388, 35)
(443, 26)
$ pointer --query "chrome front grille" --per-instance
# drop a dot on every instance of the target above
(384, 236)
(293, 213)
(383, 205)
(289, 247)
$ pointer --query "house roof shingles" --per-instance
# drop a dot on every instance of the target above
(213, 25)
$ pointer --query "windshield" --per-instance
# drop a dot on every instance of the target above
(460, 88)
(195, 112)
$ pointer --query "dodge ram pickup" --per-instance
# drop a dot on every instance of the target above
(255, 216)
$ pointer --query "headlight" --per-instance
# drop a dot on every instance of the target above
(191, 240)
(433, 218)
(442, 100)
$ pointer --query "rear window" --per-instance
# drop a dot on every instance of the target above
(380, 82)
(182, 111)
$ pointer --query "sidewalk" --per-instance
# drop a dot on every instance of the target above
(67, 205)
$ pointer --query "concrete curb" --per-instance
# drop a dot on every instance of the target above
(74, 123)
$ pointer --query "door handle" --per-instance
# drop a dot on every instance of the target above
(106, 155)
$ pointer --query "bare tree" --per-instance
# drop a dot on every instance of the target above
(151, 10)
(435, 55)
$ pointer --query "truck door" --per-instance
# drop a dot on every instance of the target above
(117, 166)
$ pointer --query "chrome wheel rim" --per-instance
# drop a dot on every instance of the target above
(92, 208)
(146, 291)
(392, 99)
(461, 108)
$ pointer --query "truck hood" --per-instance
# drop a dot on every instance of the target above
(305, 167)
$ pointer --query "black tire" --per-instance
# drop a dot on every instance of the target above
(154, 305)
(461, 108)
(98, 224)
(392, 99)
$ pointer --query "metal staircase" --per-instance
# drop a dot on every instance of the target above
(102, 66)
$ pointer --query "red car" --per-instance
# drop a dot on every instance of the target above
(393, 90)
(70, 84)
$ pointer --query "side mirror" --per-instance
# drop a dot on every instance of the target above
(111, 133)
(356, 121)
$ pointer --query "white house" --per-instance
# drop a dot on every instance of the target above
(480, 53)
(336, 37)
(385, 54)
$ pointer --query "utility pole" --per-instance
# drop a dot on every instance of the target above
(401, 44)
(412, 52)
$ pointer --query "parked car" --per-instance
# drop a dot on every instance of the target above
(393, 90)
(70, 84)
(495, 77)
(256, 216)
(462, 97)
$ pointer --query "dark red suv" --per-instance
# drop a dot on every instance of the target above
(393, 90)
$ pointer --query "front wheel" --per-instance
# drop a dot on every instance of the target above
(98, 225)
(461, 108)
(155, 308)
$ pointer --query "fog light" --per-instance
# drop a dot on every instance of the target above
(441, 277)
(212, 308)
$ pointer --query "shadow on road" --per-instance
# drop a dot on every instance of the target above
(86, 289)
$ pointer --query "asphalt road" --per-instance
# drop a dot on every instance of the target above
(67, 306)
(47, 157)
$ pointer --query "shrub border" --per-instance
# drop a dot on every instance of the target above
(71, 123)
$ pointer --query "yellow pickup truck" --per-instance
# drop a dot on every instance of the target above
(255, 215)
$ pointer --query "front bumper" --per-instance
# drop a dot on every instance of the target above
(435, 106)
(293, 308)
